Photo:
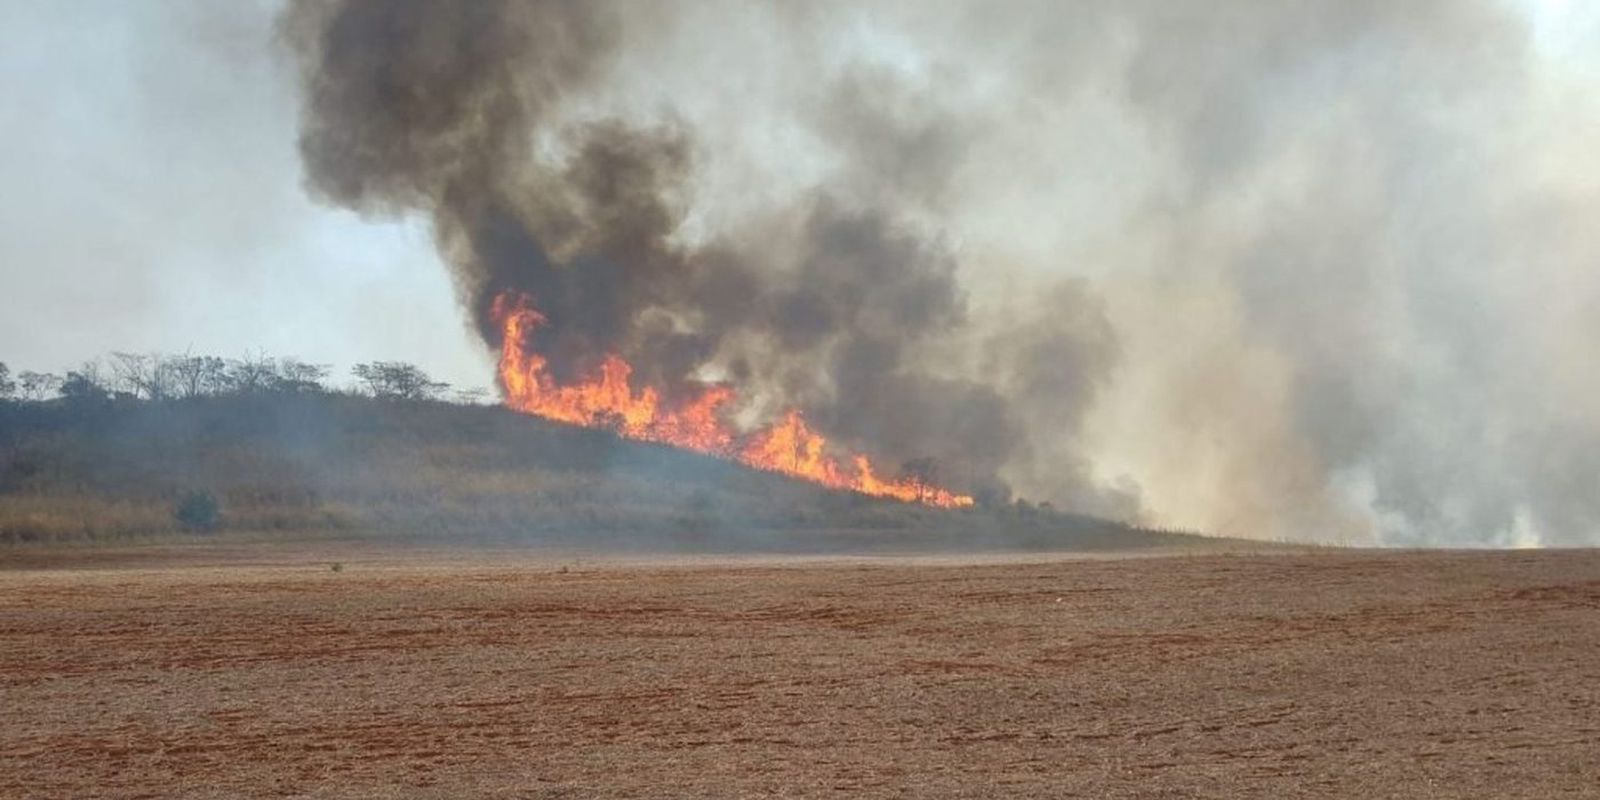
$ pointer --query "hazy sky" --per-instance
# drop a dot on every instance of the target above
(154, 199)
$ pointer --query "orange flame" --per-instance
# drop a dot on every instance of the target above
(606, 400)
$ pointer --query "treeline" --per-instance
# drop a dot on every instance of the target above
(160, 377)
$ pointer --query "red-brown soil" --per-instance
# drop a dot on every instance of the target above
(1371, 675)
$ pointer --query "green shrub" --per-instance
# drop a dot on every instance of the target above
(196, 511)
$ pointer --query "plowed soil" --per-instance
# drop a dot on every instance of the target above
(1370, 675)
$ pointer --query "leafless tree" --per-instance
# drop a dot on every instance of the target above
(251, 373)
(398, 380)
(924, 473)
(148, 376)
(36, 386)
(294, 375)
(196, 376)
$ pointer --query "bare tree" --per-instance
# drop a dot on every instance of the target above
(923, 473)
(92, 373)
(36, 386)
(251, 373)
(196, 376)
(128, 373)
(160, 377)
(294, 375)
(148, 376)
(7, 385)
(398, 380)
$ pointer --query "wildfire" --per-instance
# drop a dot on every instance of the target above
(606, 400)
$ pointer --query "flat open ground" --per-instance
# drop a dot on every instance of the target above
(1405, 675)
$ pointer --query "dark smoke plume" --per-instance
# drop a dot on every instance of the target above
(462, 111)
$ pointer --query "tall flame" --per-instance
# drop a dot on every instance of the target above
(606, 400)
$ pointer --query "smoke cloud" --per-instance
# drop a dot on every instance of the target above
(1311, 270)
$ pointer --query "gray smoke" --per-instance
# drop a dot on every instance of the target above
(1312, 270)
(831, 304)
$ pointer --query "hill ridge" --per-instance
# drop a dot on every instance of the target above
(326, 462)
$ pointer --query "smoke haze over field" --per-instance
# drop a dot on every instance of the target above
(1309, 270)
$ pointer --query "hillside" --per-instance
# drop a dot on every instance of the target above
(342, 464)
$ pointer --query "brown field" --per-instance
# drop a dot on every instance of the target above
(1404, 675)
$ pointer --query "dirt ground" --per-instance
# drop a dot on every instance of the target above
(1371, 675)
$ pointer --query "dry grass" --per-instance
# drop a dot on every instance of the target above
(442, 675)
(338, 464)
